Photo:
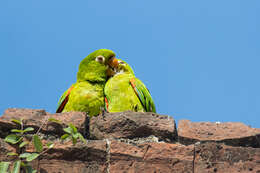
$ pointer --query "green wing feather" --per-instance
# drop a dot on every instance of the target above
(143, 94)
(63, 100)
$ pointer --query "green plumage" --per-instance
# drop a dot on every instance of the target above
(126, 92)
(87, 94)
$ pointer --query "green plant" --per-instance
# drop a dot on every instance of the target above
(73, 134)
(19, 138)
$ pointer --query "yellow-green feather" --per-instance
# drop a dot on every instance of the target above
(87, 94)
(144, 96)
(86, 97)
(122, 96)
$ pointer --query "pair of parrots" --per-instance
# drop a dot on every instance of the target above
(105, 83)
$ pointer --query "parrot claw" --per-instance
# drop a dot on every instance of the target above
(103, 112)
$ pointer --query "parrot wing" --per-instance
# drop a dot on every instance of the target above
(63, 100)
(143, 94)
(106, 104)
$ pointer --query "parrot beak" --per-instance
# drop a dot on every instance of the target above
(113, 62)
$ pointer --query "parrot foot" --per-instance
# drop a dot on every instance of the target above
(103, 112)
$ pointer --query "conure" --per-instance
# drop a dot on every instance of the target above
(87, 94)
(125, 92)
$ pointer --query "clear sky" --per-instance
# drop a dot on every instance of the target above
(200, 59)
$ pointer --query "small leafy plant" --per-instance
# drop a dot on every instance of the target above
(23, 158)
(19, 138)
(73, 134)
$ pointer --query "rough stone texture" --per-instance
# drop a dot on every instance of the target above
(230, 133)
(133, 125)
(143, 154)
(4, 149)
(216, 157)
(118, 157)
(150, 157)
(36, 118)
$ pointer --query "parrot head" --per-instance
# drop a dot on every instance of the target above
(96, 65)
(123, 67)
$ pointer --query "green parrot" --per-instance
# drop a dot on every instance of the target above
(87, 94)
(125, 92)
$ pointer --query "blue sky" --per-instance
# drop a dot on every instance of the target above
(200, 59)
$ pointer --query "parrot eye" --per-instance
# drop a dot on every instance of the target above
(121, 62)
(100, 59)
